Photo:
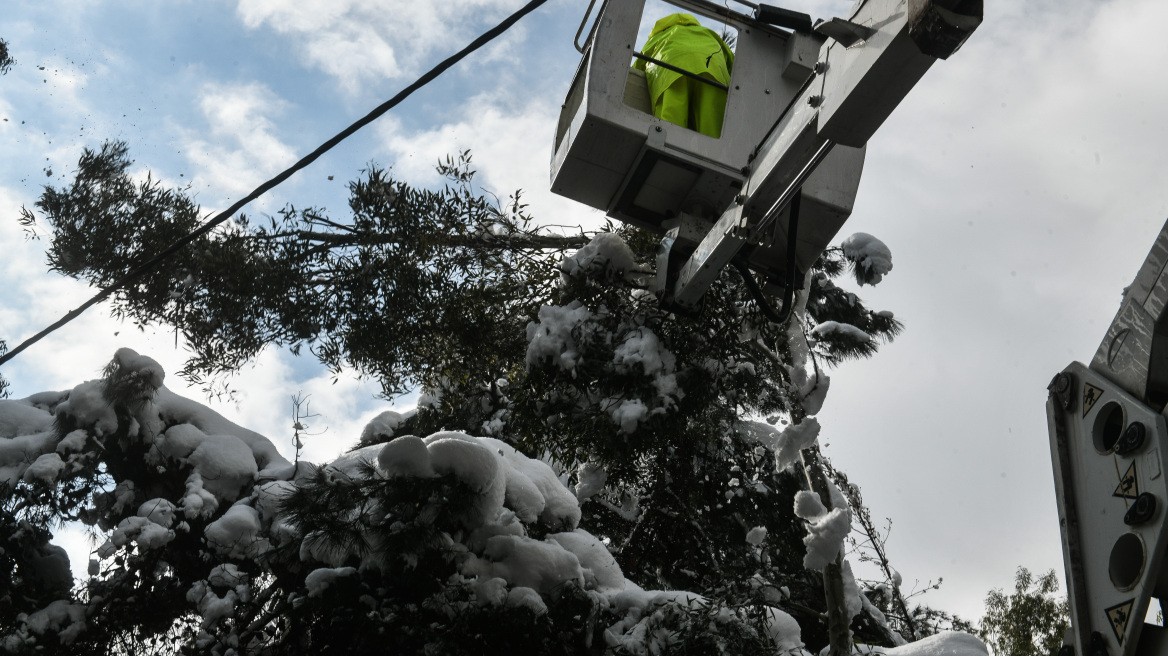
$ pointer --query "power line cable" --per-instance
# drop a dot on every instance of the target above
(145, 267)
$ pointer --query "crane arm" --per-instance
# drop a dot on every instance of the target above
(867, 65)
(1109, 443)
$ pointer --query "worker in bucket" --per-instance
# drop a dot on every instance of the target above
(679, 40)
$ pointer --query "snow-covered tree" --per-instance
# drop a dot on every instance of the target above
(585, 472)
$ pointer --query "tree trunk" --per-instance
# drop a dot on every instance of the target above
(838, 632)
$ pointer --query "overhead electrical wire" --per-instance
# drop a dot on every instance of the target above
(153, 262)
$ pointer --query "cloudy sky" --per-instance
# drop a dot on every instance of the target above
(1019, 186)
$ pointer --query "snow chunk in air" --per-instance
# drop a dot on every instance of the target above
(591, 477)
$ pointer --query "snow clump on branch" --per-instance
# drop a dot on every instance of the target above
(871, 259)
(236, 499)
(605, 256)
(845, 331)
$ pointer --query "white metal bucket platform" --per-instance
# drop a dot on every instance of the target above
(800, 108)
(612, 154)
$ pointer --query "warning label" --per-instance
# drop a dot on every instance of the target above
(1091, 394)
(1129, 485)
(1118, 617)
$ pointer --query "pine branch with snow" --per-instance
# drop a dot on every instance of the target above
(869, 257)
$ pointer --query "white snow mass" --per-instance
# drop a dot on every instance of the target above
(870, 257)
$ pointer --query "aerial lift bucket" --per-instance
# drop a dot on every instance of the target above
(612, 154)
(801, 105)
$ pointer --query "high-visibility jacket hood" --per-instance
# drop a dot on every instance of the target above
(681, 41)
(671, 20)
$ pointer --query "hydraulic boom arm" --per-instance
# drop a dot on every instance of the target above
(1109, 441)
(867, 66)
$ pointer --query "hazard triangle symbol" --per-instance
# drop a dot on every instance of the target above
(1118, 616)
(1129, 485)
(1091, 394)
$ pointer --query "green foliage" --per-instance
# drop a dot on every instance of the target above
(412, 280)
(827, 302)
(1029, 622)
(6, 60)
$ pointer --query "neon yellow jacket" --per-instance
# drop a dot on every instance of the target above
(679, 39)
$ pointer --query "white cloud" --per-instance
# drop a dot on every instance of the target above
(361, 40)
(243, 149)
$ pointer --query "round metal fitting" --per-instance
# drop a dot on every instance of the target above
(1132, 439)
(1141, 511)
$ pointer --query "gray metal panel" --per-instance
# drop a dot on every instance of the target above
(783, 155)
(608, 146)
(802, 52)
(587, 183)
(708, 260)
(828, 197)
(864, 83)
(1091, 483)
(1125, 355)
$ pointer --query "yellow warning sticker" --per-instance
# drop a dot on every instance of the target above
(1118, 616)
(1091, 394)
(1129, 484)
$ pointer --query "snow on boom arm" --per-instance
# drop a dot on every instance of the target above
(1108, 443)
(777, 183)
